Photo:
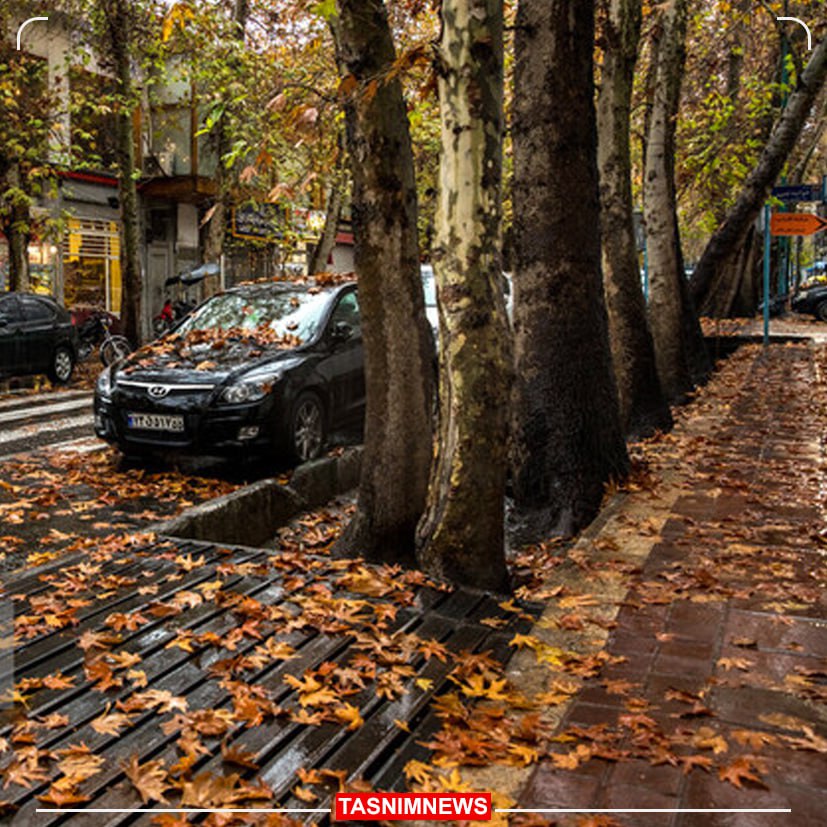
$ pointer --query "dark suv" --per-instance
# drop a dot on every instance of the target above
(36, 336)
(812, 299)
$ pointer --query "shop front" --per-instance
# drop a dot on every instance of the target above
(90, 252)
(43, 266)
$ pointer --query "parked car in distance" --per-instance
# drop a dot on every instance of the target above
(432, 309)
(264, 368)
(37, 335)
(811, 298)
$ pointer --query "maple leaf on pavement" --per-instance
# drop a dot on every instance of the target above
(97, 640)
(62, 792)
(59, 681)
(311, 691)
(238, 756)
(150, 779)
(78, 762)
(23, 772)
(432, 648)
(753, 739)
(303, 794)
(689, 762)
(811, 741)
(476, 686)
(102, 676)
(111, 724)
(744, 664)
(742, 770)
(522, 755)
(350, 715)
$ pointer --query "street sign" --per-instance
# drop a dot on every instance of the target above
(796, 223)
(798, 193)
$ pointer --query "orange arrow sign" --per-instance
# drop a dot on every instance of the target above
(796, 223)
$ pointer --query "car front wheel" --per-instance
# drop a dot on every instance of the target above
(821, 311)
(63, 363)
(307, 427)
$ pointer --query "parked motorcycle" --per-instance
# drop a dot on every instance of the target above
(173, 311)
(95, 331)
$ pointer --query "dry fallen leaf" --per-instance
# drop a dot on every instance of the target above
(150, 779)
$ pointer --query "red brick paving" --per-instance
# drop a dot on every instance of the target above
(744, 556)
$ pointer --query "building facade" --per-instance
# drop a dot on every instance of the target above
(75, 246)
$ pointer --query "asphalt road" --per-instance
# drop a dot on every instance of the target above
(58, 421)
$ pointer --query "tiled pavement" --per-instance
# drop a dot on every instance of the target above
(731, 607)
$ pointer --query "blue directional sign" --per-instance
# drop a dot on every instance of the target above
(798, 193)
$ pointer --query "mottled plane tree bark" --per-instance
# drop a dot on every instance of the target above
(397, 339)
(567, 432)
(679, 347)
(643, 407)
(462, 533)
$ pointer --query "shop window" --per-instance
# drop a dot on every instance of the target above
(42, 264)
(91, 264)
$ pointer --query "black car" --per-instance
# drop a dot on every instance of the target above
(260, 368)
(37, 335)
(812, 299)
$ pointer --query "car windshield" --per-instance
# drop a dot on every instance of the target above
(295, 313)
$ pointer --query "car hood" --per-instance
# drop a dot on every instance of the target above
(171, 359)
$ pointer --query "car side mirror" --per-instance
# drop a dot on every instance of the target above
(341, 332)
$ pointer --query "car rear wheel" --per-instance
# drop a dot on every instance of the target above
(307, 427)
(63, 363)
(821, 311)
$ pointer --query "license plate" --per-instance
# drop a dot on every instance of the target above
(156, 422)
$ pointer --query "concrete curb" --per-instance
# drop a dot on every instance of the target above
(252, 515)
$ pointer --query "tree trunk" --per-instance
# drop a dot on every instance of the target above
(675, 330)
(716, 268)
(118, 24)
(397, 339)
(17, 228)
(216, 231)
(747, 288)
(567, 431)
(327, 240)
(642, 404)
(462, 534)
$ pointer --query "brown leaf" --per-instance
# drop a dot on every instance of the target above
(62, 792)
(811, 741)
(111, 723)
(689, 762)
(744, 664)
(208, 790)
(78, 763)
(741, 770)
(303, 794)
(150, 779)
(238, 756)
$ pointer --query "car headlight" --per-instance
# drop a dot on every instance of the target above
(248, 389)
(105, 386)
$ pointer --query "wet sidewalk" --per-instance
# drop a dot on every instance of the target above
(715, 689)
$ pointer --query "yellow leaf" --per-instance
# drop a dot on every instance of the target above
(350, 715)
